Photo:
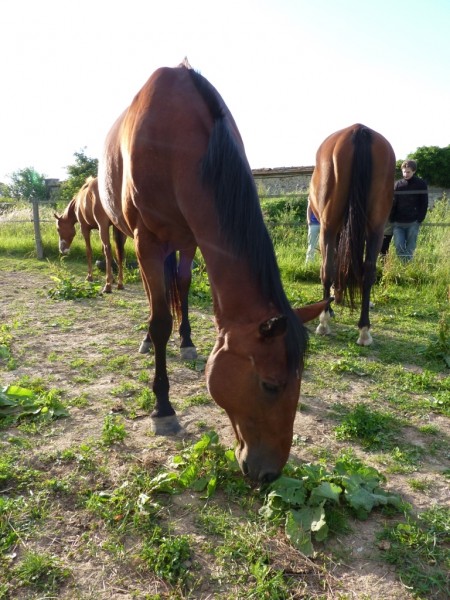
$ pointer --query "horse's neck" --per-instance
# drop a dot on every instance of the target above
(70, 213)
(236, 296)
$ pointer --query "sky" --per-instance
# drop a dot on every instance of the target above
(291, 71)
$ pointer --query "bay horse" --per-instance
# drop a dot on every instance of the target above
(86, 209)
(174, 175)
(351, 194)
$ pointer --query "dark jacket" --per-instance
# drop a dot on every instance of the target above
(410, 200)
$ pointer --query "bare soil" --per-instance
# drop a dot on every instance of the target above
(50, 335)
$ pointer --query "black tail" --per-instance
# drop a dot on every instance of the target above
(171, 278)
(351, 247)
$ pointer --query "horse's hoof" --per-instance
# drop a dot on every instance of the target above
(188, 353)
(165, 425)
(107, 289)
(120, 286)
(145, 347)
(89, 278)
(365, 339)
(323, 330)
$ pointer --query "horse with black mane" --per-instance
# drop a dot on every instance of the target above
(351, 194)
(174, 176)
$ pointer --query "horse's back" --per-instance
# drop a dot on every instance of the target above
(151, 169)
(335, 160)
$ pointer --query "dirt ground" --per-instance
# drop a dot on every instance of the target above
(49, 335)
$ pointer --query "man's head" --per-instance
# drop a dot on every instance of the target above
(409, 167)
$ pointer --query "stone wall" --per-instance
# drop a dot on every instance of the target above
(282, 181)
(295, 180)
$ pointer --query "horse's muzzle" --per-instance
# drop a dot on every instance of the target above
(64, 248)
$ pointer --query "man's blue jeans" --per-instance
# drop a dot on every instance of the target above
(405, 239)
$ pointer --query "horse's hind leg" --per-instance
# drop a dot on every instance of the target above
(372, 247)
(327, 246)
(119, 239)
(184, 274)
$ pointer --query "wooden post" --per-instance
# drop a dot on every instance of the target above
(37, 229)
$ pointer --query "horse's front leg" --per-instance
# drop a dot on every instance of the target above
(327, 247)
(163, 416)
(184, 275)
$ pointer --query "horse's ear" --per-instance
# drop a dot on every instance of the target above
(273, 327)
(311, 311)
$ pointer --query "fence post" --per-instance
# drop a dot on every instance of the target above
(37, 229)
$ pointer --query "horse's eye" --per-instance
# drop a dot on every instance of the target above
(270, 388)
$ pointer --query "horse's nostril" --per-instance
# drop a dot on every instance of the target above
(269, 477)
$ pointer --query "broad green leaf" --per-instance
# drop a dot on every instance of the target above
(200, 484)
(290, 490)
(299, 536)
(211, 487)
(165, 482)
(16, 391)
(273, 507)
(189, 475)
(326, 490)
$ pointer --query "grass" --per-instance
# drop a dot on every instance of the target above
(167, 520)
(419, 549)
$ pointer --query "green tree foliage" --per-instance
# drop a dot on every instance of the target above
(4, 190)
(83, 167)
(26, 184)
(433, 165)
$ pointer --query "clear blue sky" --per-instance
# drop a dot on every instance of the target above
(291, 71)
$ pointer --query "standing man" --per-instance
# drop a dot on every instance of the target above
(409, 210)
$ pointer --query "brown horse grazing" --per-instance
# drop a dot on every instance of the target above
(87, 209)
(174, 175)
(351, 195)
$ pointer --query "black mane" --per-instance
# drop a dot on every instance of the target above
(225, 168)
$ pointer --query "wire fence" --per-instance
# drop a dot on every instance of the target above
(37, 220)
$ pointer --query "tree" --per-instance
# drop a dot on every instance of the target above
(4, 190)
(26, 184)
(433, 164)
(83, 168)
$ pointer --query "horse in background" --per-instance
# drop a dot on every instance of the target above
(351, 194)
(174, 176)
(87, 209)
